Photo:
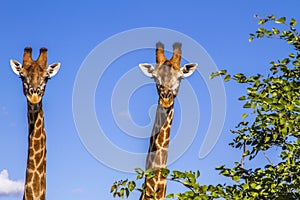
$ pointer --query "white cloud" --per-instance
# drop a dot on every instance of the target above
(77, 190)
(9, 187)
(4, 110)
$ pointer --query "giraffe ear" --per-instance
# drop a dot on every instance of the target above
(16, 66)
(53, 69)
(147, 69)
(188, 69)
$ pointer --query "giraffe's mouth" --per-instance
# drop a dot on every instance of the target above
(34, 98)
(166, 102)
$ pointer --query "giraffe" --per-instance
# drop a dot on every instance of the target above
(34, 75)
(167, 75)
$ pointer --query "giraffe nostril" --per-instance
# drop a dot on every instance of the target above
(38, 91)
(32, 91)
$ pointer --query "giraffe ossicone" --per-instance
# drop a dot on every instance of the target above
(34, 75)
(167, 75)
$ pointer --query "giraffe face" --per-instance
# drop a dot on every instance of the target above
(167, 79)
(168, 73)
(34, 76)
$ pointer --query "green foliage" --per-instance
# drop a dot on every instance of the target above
(273, 102)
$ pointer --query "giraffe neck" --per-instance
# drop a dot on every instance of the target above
(35, 183)
(158, 152)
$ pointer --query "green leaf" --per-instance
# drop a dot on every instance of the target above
(127, 192)
(225, 172)
(296, 63)
(227, 78)
(293, 22)
(220, 167)
(124, 182)
(197, 174)
(150, 173)
(139, 176)
(280, 20)
(122, 192)
(275, 31)
(236, 178)
(170, 196)
(261, 21)
(247, 105)
(272, 17)
(218, 73)
(191, 177)
(113, 188)
(164, 172)
(244, 116)
(242, 98)
(250, 39)
(200, 198)
(287, 88)
(239, 75)
(139, 171)
(178, 174)
(246, 153)
(222, 72)
(131, 185)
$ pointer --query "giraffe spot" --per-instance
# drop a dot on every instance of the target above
(150, 184)
(38, 158)
(43, 195)
(165, 125)
(38, 133)
(29, 176)
(43, 181)
(161, 188)
(162, 139)
(41, 168)
(30, 162)
(168, 130)
(36, 145)
(38, 123)
(36, 184)
(28, 191)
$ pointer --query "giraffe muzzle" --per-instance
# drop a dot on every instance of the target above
(166, 97)
(34, 95)
(34, 98)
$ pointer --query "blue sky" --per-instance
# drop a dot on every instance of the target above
(71, 30)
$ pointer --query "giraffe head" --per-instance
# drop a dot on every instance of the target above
(168, 73)
(34, 74)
